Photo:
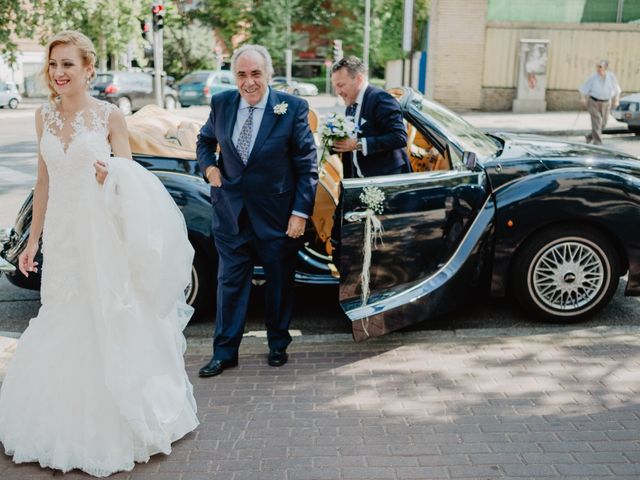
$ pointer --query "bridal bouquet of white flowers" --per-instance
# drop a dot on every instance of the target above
(336, 127)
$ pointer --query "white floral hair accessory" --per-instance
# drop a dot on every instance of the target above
(281, 108)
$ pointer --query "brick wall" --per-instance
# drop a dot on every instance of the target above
(457, 30)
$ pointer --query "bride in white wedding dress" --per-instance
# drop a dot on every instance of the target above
(98, 379)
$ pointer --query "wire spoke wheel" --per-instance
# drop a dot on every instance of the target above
(568, 276)
(564, 274)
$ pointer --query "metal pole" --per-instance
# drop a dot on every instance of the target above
(619, 12)
(367, 27)
(157, 65)
(288, 53)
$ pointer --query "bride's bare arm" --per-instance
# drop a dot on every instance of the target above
(119, 135)
(40, 198)
(119, 140)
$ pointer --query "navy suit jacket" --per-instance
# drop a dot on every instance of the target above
(386, 136)
(281, 171)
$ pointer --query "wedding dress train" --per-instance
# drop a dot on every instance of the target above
(98, 379)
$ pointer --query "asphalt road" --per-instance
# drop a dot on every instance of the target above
(317, 310)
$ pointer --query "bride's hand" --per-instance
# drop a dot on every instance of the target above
(101, 171)
(25, 260)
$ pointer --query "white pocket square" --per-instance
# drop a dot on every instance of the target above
(363, 121)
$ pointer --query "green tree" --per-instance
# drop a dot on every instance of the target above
(226, 17)
(18, 19)
(111, 24)
(188, 45)
(387, 24)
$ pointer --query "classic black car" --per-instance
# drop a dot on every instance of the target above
(552, 223)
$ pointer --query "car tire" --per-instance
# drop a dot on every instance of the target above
(201, 293)
(170, 103)
(13, 103)
(565, 274)
(124, 104)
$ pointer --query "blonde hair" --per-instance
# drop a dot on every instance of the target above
(77, 39)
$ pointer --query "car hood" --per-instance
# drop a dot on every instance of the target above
(545, 148)
(529, 154)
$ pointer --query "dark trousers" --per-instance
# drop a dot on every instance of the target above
(237, 256)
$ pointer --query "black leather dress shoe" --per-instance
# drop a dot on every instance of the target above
(277, 357)
(216, 367)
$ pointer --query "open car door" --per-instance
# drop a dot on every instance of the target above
(434, 229)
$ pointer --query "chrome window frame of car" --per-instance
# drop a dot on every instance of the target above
(432, 115)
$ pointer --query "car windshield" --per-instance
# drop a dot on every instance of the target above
(195, 78)
(456, 129)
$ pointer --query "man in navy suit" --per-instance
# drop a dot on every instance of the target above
(380, 146)
(263, 185)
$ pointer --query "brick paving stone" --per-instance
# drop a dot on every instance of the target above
(548, 458)
(524, 447)
(341, 461)
(576, 470)
(494, 458)
(422, 473)
(475, 471)
(601, 457)
(443, 460)
(616, 446)
(313, 474)
(529, 471)
(626, 469)
(368, 473)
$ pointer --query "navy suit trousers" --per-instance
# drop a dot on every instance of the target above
(237, 256)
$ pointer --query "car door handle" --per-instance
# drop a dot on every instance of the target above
(353, 217)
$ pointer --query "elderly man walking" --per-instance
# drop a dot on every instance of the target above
(599, 93)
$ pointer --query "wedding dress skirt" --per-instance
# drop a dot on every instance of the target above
(98, 379)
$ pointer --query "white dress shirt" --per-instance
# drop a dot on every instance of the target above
(243, 114)
(599, 88)
(356, 120)
(258, 114)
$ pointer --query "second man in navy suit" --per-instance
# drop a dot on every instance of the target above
(263, 185)
(380, 146)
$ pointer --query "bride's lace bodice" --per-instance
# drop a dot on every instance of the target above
(70, 148)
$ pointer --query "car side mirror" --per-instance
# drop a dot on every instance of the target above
(469, 159)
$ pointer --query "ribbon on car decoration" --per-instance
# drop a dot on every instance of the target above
(373, 199)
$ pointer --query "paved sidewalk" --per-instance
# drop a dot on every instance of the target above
(427, 405)
(548, 123)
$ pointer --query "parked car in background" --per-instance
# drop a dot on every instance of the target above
(296, 87)
(629, 112)
(9, 95)
(198, 87)
(130, 91)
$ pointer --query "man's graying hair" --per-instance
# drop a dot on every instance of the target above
(352, 64)
(260, 50)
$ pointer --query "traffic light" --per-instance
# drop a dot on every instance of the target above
(144, 29)
(337, 50)
(157, 12)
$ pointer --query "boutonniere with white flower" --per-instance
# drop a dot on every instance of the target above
(281, 108)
